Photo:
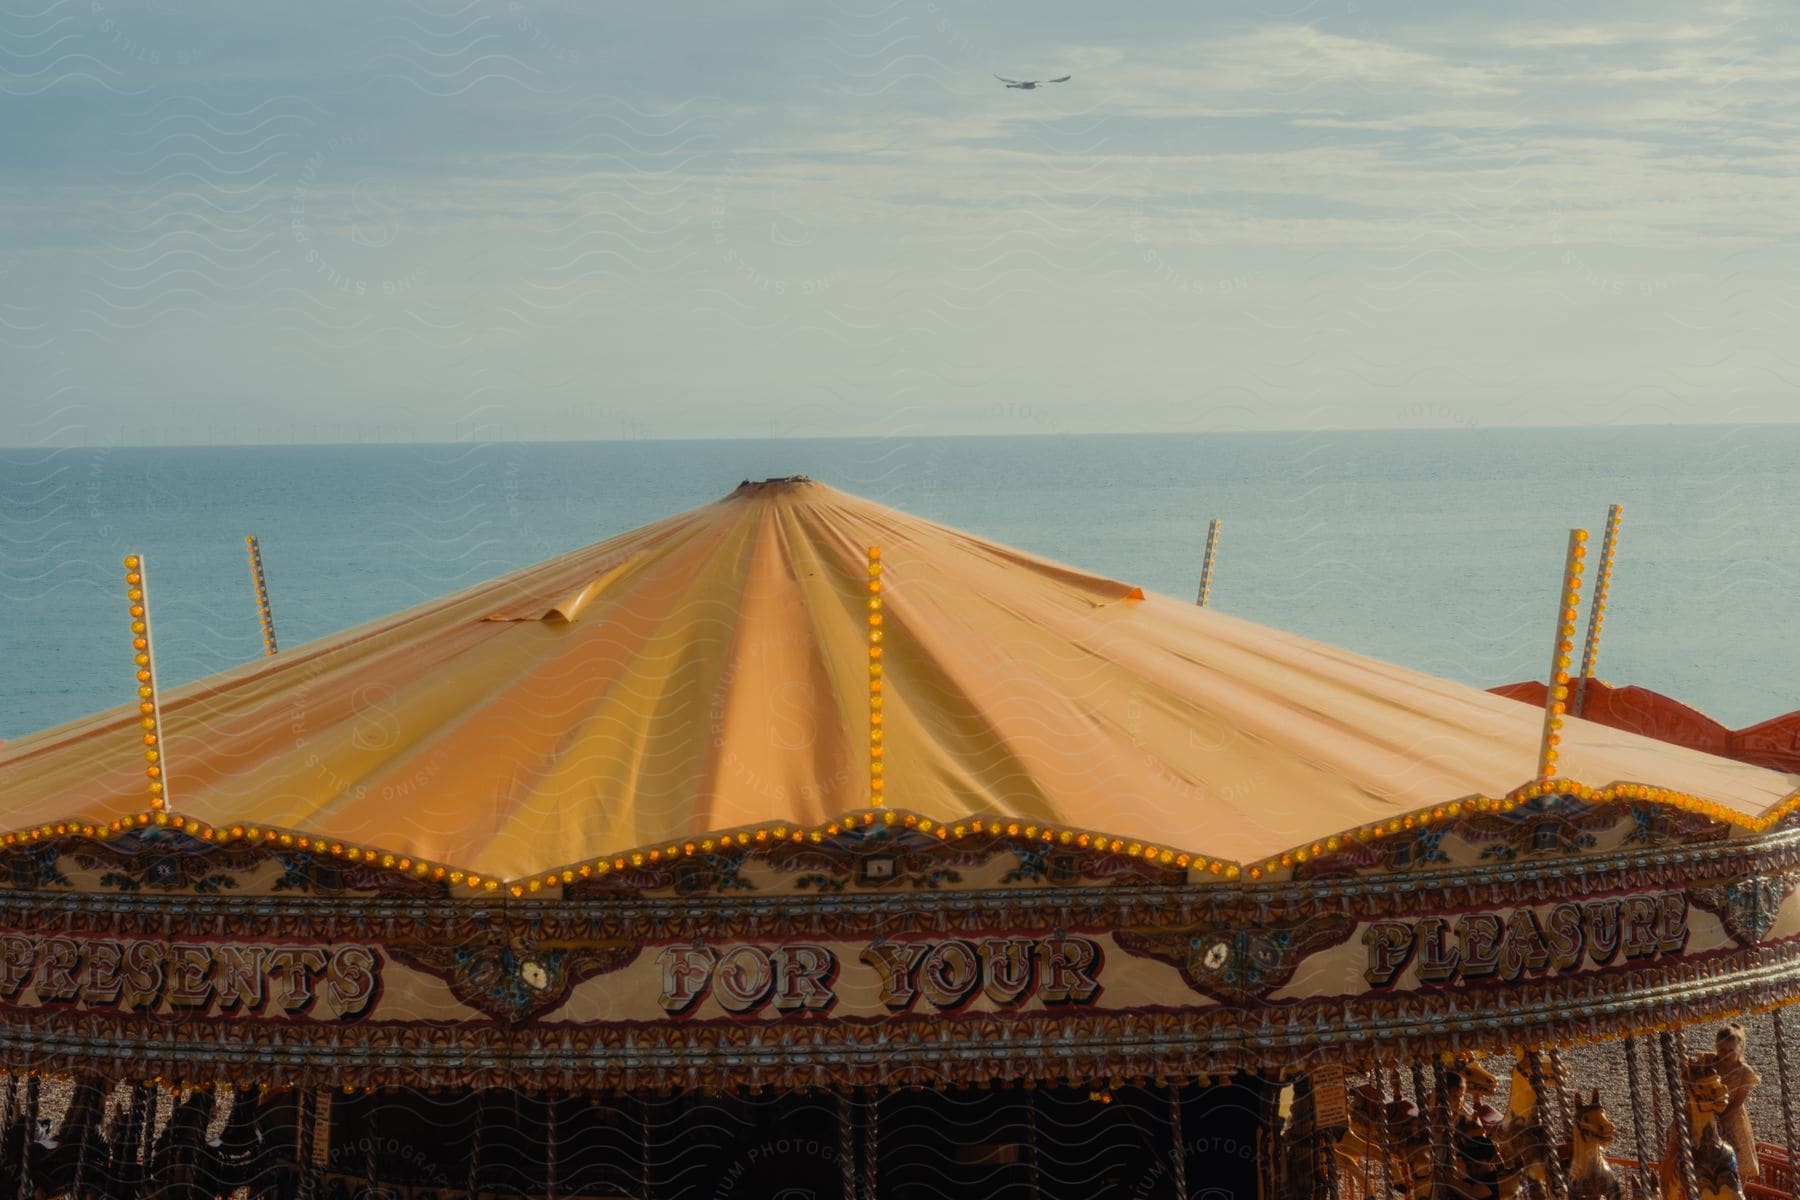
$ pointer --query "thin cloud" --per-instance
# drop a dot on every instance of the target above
(1517, 207)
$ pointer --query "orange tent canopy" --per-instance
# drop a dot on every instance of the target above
(710, 672)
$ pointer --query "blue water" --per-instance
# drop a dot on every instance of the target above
(1437, 549)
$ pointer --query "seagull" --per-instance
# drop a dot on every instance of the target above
(1028, 84)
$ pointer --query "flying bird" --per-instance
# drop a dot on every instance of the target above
(1028, 84)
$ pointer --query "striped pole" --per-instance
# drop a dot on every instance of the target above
(1206, 563)
(305, 1111)
(846, 1130)
(137, 591)
(1637, 1116)
(260, 583)
(1674, 1056)
(1534, 1075)
(1178, 1160)
(1609, 544)
(1556, 693)
(877, 783)
(550, 1150)
(872, 1146)
(1787, 1094)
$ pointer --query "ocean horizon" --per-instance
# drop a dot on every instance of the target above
(1435, 549)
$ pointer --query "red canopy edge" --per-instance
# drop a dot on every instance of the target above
(1774, 743)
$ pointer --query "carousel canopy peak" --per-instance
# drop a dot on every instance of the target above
(712, 671)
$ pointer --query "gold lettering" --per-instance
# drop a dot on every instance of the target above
(103, 982)
(350, 977)
(950, 973)
(1671, 922)
(805, 975)
(1390, 946)
(1010, 968)
(190, 976)
(895, 963)
(144, 975)
(1518, 942)
(1637, 935)
(1563, 932)
(1602, 931)
(1524, 949)
(18, 954)
(686, 976)
(1069, 966)
(292, 972)
(1478, 943)
(56, 972)
(239, 977)
(743, 978)
(1438, 961)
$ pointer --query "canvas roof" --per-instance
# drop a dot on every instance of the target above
(710, 672)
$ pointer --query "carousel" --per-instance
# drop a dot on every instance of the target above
(793, 847)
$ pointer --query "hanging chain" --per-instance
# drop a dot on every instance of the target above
(1370, 1149)
(1534, 1074)
(30, 1138)
(147, 1135)
(1033, 1169)
(131, 1143)
(846, 1130)
(369, 1164)
(1421, 1103)
(9, 1106)
(1323, 1144)
(1565, 1121)
(305, 1102)
(1673, 1057)
(1178, 1154)
(1384, 1132)
(1787, 1096)
(81, 1148)
(1658, 1121)
(645, 1112)
(550, 1146)
(1637, 1115)
(6, 1114)
(475, 1146)
(1441, 1139)
(871, 1145)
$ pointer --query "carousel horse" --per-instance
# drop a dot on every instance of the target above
(1715, 1162)
(1491, 1154)
(1480, 1082)
(1398, 1136)
(1478, 1170)
(1523, 1137)
(1591, 1177)
(1358, 1152)
(1389, 1134)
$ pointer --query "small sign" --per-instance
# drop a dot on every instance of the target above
(1331, 1100)
(321, 1147)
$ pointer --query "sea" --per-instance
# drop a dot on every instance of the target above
(1438, 549)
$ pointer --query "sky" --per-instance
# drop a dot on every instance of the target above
(533, 220)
